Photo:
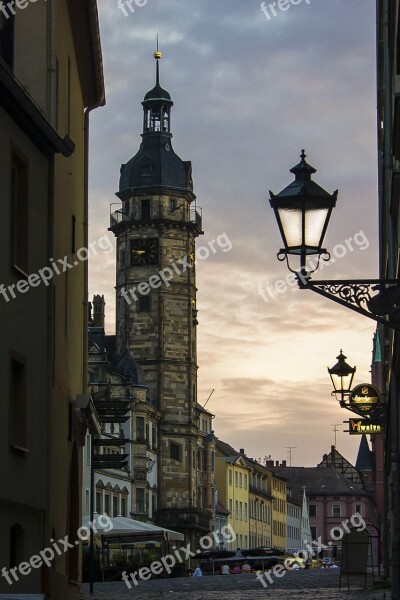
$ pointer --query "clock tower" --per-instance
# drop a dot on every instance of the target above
(156, 229)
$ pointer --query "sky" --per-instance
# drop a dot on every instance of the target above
(250, 90)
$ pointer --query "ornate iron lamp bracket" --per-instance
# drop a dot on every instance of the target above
(378, 299)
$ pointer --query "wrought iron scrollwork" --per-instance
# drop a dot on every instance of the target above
(374, 298)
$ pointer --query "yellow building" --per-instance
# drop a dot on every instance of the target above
(50, 78)
(260, 499)
(233, 482)
(279, 516)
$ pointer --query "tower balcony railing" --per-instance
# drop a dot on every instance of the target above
(180, 214)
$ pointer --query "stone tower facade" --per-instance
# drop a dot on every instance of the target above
(156, 229)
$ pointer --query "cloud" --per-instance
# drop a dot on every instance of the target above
(248, 95)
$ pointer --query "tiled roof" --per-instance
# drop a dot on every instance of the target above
(320, 481)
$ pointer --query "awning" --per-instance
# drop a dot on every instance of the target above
(125, 526)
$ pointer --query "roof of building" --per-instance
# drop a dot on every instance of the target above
(335, 460)
(220, 509)
(129, 368)
(320, 481)
(365, 457)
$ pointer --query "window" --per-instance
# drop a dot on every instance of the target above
(230, 506)
(107, 504)
(358, 509)
(245, 482)
(240, 480)
(73, 234)
(115, 506)
(153, 437)
(17, 545)
(240, 511)
(312, 510)
(140, 501)
(172, 204)
(140, 435)
(99, 503)
(123, 507)
(7, 25)
(146, 204)
(336, 510)
(236, 479)
(313, 533)
(245, 511)
(19, 213)
(154, 500)
(236, 509)
(230, 476)
(144, 304)
(17, 403)
(175, 451)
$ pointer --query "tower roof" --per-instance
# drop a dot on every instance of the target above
(156, 164)
(365, 460)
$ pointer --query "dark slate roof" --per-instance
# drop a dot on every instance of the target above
(365, 458)
(129, 368)
(320, 481)
(220, 509)
(226, 449)
(201, 409)
(167, 169)
(96, 335)
(157, 93)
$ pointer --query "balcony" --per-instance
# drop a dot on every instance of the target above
(121, 220)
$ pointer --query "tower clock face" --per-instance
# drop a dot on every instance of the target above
(144, 252)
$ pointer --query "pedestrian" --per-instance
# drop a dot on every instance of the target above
(198, 572)
(246, 568)
(236, 569)
(225, 570)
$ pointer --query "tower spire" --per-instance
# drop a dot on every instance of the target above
(158, 57)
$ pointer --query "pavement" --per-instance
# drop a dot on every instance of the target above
(322, 584)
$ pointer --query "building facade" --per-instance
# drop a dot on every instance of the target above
(50, 78)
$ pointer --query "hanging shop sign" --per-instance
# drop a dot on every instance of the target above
(361, 426)
(364, 399)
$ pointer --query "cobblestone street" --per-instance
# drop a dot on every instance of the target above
(297, 585)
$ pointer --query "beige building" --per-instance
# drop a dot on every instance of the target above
(50, 73)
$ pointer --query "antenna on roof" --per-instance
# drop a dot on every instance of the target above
(290, 453)
(212, 391)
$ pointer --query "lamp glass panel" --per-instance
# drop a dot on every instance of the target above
(292, 225)
(342, 382)
(314, 226)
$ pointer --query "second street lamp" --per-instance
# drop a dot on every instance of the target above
(302, 210)
(342, 378)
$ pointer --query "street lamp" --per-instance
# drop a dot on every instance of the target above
(302, 211)
(342, 378)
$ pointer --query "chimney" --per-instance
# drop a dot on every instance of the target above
(277, 463)
(241, 450)
(283, 463)
(98, 311)
(269, 464)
